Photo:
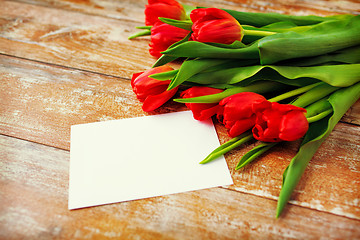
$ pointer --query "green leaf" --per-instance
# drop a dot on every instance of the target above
(164, 59)
(341, 101)
(349, 55)
(245, 75)
(165, 75)
(323, 38)
(187, 24)
(342, 75)
(193, 66)
(188, 8)
(278, 27)
(193, 49)
(262, 19)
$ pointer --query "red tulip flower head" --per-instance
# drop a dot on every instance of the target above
(163, 36)
(236, 112)
(215, 25)
(280, 122)
(201, 111)
(163, 8)
(150, 91)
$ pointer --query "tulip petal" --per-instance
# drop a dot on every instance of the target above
(153, 102)
(241, 126)
(202, 113)
(293, 126)
(163, 8)
(215, 25)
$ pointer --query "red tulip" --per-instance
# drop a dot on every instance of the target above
(215, 25)
(163, 8)
(280, 122)
(236, 112)
(201, 111)
(163, 36)
(150, 91)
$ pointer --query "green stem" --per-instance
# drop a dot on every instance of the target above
(314, 95)
(317, 107)
(258, 33)
(258, 87)
(140, 34)
(144, 27)
(228, 146)
(293, 93)
(319, 116)
(253, 154)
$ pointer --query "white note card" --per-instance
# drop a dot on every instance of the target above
(136, 158)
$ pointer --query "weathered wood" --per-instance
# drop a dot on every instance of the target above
(40, 102)
(135, 11)
(78, 70)
(352, 115)
(72, 39)
(54, 98)
(33, 205)
(124, 9)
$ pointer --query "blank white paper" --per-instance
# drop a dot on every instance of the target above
(135, 158)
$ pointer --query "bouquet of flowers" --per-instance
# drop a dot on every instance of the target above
(264, 76)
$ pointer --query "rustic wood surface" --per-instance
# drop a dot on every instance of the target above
(66, 62)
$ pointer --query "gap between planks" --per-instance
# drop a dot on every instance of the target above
(64, 67)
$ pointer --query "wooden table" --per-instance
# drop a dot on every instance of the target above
(66, 62)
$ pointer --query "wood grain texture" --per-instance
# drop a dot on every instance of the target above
(54, 98)
(134, 11)
(33, 205)
(72, 39)
(123, 10)
(66, 62)
(40, 102)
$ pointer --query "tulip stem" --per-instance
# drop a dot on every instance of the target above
(258, 33)
(228, 146)
(146, 32)
(293, 93)
(257, 87)
(319, 116)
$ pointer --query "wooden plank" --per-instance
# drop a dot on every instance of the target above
(40, 103)
(124, 10)
(33, 205)
(72, 39)
(53, 98)
(352, 115)
(135, 10)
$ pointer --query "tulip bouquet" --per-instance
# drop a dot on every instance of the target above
(264, 76)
